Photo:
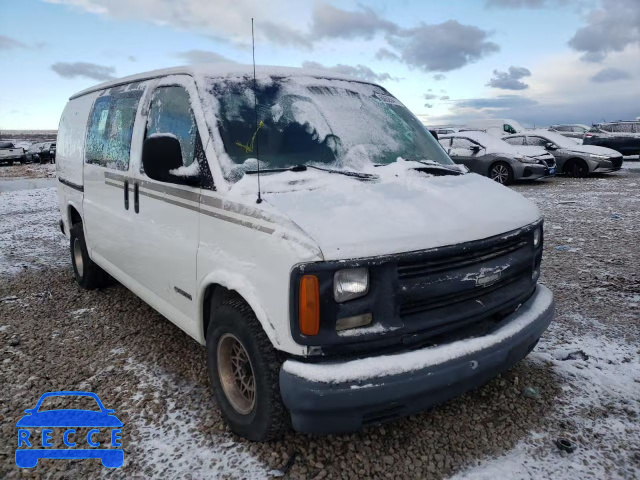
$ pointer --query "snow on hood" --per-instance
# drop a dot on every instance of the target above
(593, 149)
(402, 210)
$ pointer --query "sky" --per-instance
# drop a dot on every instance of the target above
(536, 61)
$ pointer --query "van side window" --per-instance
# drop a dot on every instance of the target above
(110, 129)
(171, 113)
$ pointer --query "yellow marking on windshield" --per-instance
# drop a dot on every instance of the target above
(248, 148)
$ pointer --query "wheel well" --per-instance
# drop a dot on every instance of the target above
(213, 296)
(571, 160)
(74, 216)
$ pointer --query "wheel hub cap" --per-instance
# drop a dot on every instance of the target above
(77, 257)
(236, 374)
(499, 174)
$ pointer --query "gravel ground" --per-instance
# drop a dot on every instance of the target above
(582, 382)
(28, 170)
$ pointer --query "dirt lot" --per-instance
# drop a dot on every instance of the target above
(582, 382)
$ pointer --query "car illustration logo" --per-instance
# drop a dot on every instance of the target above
(68, 419)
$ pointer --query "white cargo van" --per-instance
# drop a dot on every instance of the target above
(359, 277)
(498, 127)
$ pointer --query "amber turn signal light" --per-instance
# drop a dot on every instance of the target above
(309, 305)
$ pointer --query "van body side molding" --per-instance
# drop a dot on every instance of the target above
(69, 184)
(182, 292)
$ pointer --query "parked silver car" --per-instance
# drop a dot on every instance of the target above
(488, 155)
(571, 158)
(572, 130)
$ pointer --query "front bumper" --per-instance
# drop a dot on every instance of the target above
(532, 171)
(340, 397)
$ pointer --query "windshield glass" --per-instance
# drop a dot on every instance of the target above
(314, 121)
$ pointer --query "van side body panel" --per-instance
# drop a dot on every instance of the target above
(70, 156)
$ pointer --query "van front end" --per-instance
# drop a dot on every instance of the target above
(422, 328)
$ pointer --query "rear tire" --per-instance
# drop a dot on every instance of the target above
(88, 275)
(244, 370)
(576, 168)
(501, 172)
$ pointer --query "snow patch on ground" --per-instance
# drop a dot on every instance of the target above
(601, 377)
(177, 446)
(29, 230)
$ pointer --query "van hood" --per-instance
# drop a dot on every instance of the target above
(350, 218)
(592, 149)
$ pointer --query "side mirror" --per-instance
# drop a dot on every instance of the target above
(161, 154)
(475, 148)
(550, 146)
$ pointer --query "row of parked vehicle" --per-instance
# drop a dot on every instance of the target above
(505, 151)
(42, 152)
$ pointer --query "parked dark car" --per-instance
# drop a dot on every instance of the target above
(621, 136)
(573, 130)
(572, 159)
(43, 152)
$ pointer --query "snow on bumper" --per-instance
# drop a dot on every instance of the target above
(344, 396)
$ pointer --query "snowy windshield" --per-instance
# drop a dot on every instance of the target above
(331, 123)
(559, 140)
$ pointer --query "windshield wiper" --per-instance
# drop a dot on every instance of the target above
(295, 168)
(430, 166)
(360, 175)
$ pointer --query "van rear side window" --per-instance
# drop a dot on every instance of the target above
(110, 130)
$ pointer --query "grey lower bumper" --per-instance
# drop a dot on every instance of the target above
(346, 406)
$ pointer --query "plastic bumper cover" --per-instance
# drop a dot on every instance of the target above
(343, 397)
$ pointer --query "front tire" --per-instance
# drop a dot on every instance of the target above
(501, 172)
(576, 168)
(244, 372)
(88, 275)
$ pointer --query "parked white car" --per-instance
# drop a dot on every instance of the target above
(360, 277)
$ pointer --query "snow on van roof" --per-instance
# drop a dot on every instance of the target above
(219, 70)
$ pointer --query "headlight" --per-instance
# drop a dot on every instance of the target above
(523, 159)
(537, 234)
(349, 284)
(599, 157)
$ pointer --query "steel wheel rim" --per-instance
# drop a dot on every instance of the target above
(236, 374)
(77, 257)
(500, 174)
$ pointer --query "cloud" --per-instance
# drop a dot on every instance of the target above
(332, 22)
(443, 47)
(524, 3)
(429, 96)
(228, 20)
(359, 71)
(386, 54)
(609, 29)
(445, 97)
(610, 75)
(500, 102)
(510, 80)
(83, 69)
(131, 58)
(7, 43)
(428, 105)
(438, 77)
(202, 56)
(284, 35)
